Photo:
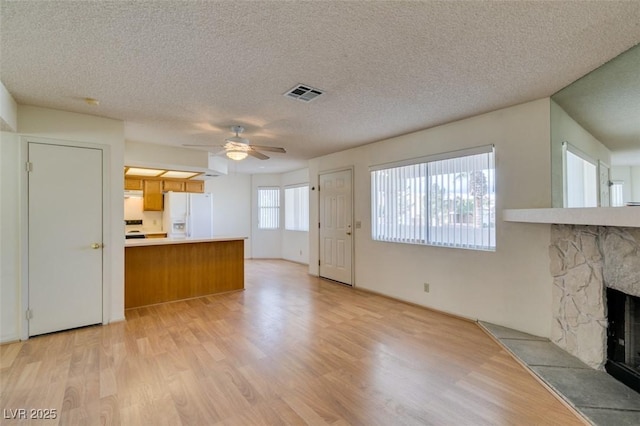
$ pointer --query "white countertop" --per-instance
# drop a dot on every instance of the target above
(141, 242)
(599, 216)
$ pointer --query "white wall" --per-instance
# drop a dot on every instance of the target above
(267, 243)
(566, 129)
(140, 152)
(9, 237)
(295, 244)
(232, 207)
(511, 286)
(8, 110)
(65, 126)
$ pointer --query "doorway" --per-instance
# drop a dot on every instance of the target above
(336, 232)
(65, 236)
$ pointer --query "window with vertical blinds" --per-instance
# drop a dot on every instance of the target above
(268, 208)
(296, 208)
(444, 200)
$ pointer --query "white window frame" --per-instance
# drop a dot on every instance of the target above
(403, 209)
(296, 207)
(272, 209)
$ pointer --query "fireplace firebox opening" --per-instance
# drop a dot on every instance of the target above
(623, 338)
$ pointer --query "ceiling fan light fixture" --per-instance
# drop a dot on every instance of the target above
(237, 155)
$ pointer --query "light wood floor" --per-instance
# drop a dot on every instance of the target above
(290, 349)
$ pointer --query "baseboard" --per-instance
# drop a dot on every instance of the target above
(408, 302)
(9, 338)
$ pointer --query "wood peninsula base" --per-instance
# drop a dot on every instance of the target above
(164, 270)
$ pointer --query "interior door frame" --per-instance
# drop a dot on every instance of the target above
(23, 324)
(353, 227)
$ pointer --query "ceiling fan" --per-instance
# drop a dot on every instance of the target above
(238, 148)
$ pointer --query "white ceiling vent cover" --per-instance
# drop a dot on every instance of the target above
(303, 92)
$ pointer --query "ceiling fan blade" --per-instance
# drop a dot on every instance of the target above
(269, 148)
(256, 154)
(207, 145)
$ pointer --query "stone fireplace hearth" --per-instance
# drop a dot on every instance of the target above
(585, 261)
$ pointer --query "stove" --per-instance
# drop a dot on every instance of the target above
(133, 229)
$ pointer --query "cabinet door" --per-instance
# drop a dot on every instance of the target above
(133, 184)
(194, 186)
(152, 193)
(173, 185)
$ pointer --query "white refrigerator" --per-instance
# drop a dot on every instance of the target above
(188, 215)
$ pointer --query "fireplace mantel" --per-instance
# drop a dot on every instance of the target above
(599, 216)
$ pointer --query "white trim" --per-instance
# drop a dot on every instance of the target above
(576, 151)
(23, 326)
(484, 149)
(295, 185)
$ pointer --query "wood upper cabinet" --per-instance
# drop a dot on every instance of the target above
(133, 184)
(194, 186)
(152, 195)
(173, 185)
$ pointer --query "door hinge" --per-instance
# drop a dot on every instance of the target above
(318, 262)
(28, 166)
(29, 314)
(318, 225)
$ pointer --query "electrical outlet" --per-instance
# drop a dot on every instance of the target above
(426, 287)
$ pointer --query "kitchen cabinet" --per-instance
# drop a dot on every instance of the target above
(152, 195)
(173, 185)
(158, 271)
(133, 184)
(194, 186)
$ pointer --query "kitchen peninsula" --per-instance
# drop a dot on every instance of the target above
(161, 270)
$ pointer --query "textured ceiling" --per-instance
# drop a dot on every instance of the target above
(183, 72)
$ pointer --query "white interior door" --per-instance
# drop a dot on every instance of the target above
(65, 237)
(336, 239)
(603, 185)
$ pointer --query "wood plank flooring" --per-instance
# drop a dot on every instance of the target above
(289, 350)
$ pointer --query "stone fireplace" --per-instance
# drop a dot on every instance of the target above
(585, 262)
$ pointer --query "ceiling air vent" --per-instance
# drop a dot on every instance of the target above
(304, 93)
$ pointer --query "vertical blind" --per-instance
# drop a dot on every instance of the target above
(296, 208)
(448, 200)
(268, 208)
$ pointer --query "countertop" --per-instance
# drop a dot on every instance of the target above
(141, 242)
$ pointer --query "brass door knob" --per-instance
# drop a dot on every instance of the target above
(96, 246)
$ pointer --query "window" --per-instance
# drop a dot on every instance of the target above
(445, 200)
(581, 178)
(296, 208)
(268, 208)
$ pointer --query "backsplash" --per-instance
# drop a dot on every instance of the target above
(151, 221)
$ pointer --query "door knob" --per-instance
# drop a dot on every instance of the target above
(349, 233)
(96, 246)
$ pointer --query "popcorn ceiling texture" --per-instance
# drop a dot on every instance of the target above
(183, 72)
(584, 261)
